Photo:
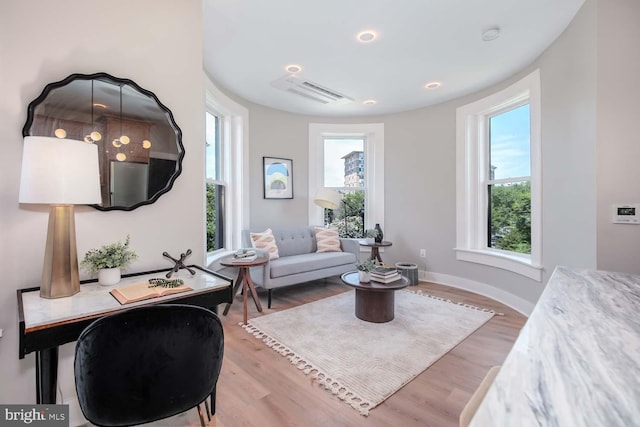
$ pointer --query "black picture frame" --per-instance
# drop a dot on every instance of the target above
(277, 174)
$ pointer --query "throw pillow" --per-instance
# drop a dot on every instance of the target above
(265, 240)
(327, 240)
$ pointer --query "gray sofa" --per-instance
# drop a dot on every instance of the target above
(299, 262)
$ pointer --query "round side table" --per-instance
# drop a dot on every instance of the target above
(244, 278)
(375, 252)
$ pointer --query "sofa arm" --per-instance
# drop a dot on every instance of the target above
(261, 274)
(350, 245)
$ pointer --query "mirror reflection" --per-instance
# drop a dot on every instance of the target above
(139, 144)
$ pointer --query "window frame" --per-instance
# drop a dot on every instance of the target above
(233, 128)
(373, 134)
(472, 145)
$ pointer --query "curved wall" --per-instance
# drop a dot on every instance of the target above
(420, 172)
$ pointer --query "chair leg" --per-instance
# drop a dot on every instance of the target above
(206, 406)
(202, 421)
(269, 299)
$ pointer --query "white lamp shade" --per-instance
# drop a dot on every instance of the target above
(59, 171)
(327, 198)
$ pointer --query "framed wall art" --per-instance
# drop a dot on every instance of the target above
(278, 178)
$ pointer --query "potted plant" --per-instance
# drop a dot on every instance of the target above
(107, 261)
(370, 234)
(365, 268)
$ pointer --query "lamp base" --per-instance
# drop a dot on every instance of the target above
(60, 276)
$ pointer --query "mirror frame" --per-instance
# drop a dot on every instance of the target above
(121, 81)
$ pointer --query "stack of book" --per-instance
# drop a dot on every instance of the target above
(244, 255)
(385, 274)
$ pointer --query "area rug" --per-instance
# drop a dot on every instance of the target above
(364, 363)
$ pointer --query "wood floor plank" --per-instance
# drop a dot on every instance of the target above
(258, 387)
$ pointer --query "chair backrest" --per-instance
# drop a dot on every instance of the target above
(147, 363)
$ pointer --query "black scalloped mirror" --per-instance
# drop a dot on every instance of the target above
(139, 142)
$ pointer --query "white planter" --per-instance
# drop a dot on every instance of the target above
(108, 276)
(370, 240)
(365, 276)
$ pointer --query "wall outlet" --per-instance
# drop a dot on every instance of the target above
(423, 253)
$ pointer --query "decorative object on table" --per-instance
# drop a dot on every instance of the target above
(179, 263)
(408, 270)
(112, 257)
(61, 173)
(365, 267)
(278, 178)
(348, 358)
(244, 255)
(70, 108)
(378, 238)
(384, 274)
(370, 234)
(153, 288)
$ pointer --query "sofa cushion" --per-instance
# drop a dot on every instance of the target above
(327, 240)
(295, 240)
(295, 264)
(265, 240)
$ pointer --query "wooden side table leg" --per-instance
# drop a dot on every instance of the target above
(235, 291)
(374, 253)
(244, 291)
(254, 293)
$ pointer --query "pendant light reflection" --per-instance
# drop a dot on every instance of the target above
(123, 139)
(146, 144)
(121, 157)
(94, 136)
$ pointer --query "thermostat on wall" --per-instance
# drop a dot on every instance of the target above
(626, 214)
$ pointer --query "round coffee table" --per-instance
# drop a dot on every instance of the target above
(375, 302)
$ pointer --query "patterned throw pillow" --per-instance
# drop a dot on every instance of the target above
(265, 240)
(328, 240)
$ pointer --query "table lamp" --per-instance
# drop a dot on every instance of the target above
(61, 173)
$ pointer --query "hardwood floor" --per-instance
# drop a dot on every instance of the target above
(258, 387)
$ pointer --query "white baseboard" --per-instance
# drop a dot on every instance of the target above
(520, 305)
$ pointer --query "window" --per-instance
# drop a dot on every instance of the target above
(344, 173)
(215, 186)
(498, 180)
(226, 171)
(348, 158)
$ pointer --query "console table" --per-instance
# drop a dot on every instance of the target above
(576, 360)
(45, 324)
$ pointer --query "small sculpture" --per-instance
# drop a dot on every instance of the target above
(179, 263)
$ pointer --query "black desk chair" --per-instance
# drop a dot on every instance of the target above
(148, 363)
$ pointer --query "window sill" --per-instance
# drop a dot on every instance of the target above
(517, 264)
(214, 257)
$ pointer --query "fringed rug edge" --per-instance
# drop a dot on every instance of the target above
(338, 389)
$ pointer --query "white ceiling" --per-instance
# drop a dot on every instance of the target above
(248, 43)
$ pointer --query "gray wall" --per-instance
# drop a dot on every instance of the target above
(420, 170)
(618, 171)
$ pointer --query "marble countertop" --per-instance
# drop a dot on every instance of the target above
(577, 359)
(95, 299)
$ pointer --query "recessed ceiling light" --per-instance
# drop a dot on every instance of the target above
(491, 34)
(370, 102)
(367, 36)
(293, 68)
(433, 85)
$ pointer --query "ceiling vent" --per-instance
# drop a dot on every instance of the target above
(310, 90)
